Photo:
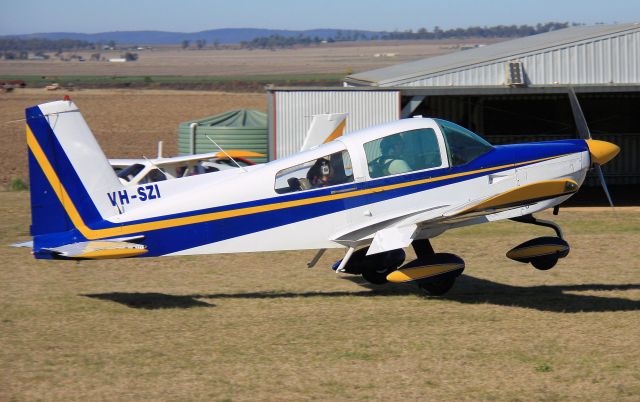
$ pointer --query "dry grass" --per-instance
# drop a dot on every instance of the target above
(263, 327)
(127, 123)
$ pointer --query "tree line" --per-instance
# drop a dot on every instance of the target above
(43, 45)
(279, 41)
(498, 31)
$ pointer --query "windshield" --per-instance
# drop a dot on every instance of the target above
(463, 145)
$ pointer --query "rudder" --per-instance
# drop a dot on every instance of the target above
(68, 172)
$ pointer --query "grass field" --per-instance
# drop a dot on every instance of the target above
(338, 58)
(264, 327)
(224, 83)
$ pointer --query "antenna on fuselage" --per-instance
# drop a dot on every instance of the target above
(225, 152)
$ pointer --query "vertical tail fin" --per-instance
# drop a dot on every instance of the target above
(324, 128)
(69, 174)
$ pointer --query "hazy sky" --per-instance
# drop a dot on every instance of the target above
(90, 16)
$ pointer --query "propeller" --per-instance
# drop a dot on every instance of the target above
(601, 151)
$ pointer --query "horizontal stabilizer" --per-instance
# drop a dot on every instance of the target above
(28, 244)
(99, 249)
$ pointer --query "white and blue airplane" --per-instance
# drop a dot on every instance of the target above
(373, 192)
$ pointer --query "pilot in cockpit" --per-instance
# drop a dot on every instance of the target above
(320, 174)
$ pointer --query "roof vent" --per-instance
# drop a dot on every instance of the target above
(515, 74)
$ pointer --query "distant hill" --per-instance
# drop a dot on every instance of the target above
(274, 37)
(222, 36)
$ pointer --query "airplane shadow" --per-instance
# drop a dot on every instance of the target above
(553, 298)
(468, 290)
(151, 301)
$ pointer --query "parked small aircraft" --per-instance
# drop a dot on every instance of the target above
(323, 128)
(142, 171)
(373, 192)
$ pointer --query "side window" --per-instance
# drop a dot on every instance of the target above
(463, 145)
(404, 152)
(329, 170)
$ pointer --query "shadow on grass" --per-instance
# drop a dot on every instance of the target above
(468, 290)
(554, 298)
(151, 301)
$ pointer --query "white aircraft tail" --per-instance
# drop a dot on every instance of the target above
(324, 128)
(71, 180)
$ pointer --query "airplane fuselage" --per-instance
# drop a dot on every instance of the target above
(240, 211)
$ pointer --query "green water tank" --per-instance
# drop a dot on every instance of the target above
(241, 129)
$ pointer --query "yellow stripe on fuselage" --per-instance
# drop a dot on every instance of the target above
(54, 181)
(541, 189)
(131, 228)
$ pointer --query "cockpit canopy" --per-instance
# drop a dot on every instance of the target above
(409, 145)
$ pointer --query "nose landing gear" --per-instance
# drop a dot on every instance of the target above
(542, 252)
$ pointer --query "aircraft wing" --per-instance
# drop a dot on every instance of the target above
(398, 232)
(123, 163)
(163, 162)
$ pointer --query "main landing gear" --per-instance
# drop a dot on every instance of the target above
(373, 268)
(542, 252)
(433, 272)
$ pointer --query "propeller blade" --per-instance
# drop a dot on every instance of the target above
(604, 184)
(578, 116)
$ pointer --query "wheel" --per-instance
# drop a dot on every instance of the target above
(544, 263)
(360, 262)
(377, 277)
(438, 287)
(375, 268)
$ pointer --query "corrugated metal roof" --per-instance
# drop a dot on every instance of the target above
(509, 49)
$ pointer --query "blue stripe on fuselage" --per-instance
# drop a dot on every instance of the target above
(169, 240)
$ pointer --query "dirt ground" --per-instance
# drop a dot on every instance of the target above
(127, 123)
(342, 58)
(264, 327)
